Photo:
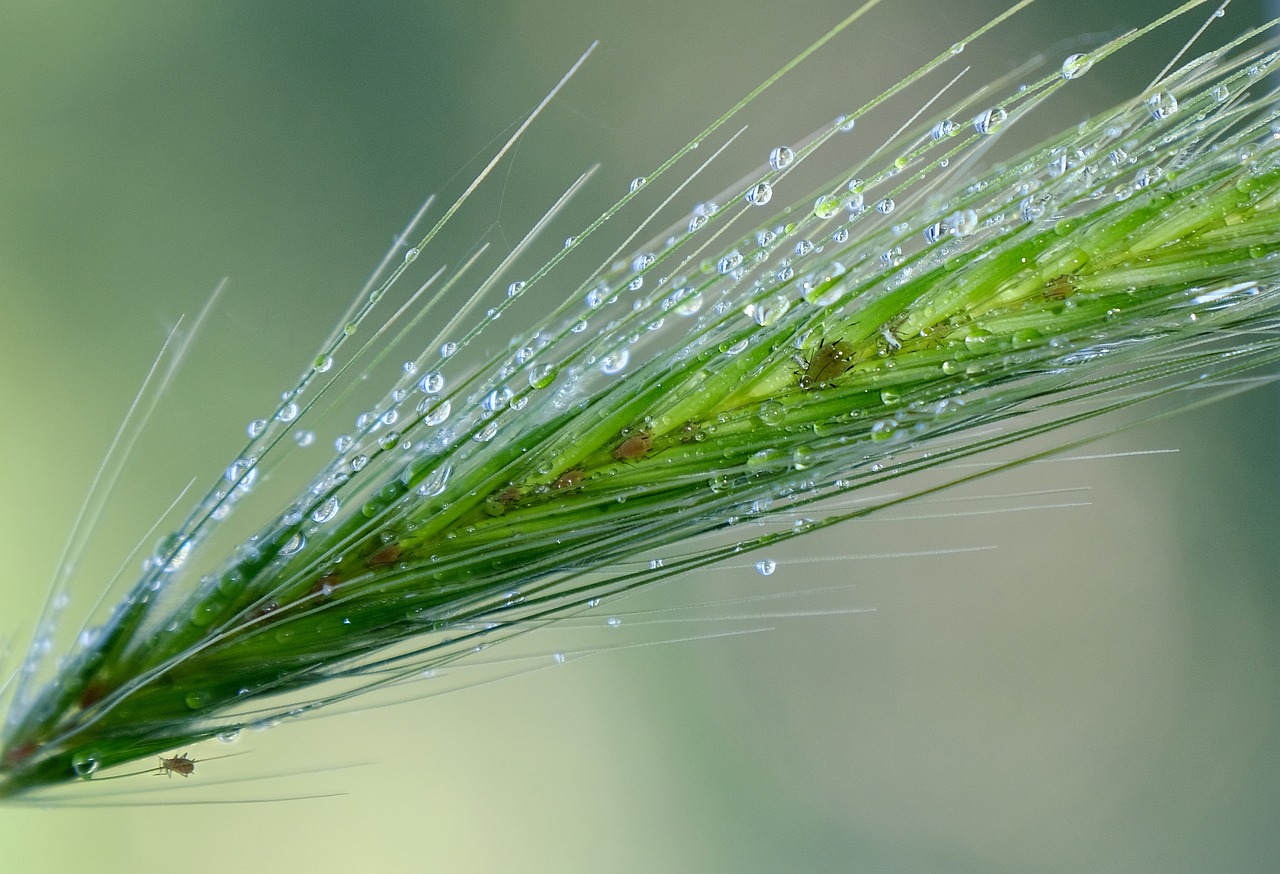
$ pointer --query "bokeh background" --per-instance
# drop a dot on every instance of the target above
(1099, 693)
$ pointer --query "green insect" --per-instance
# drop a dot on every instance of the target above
(828, 362)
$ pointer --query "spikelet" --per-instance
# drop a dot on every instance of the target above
(744, 364)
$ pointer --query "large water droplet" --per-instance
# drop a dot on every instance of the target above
(327, 511)
(760, 194)
(781, 157)
(730, 262)
(172, 552)
(1076, 65)
(1161, 105)
(986, 122)
(766, 566)
(615, 362)
(826, 206)
(438, 413)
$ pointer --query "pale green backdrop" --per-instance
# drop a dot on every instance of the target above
(1100, 693)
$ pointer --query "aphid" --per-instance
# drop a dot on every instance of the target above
(570, 479)
(634, 447)
(177, 765)
(389, 554)
(829, 361)
(1060, 287)
(325, 585)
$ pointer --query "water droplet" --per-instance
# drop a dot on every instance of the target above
(542, 376)
(358, 462)
(432, 383)
(943, 129)
(228, 736)
(288, 412)
(613, 621)
(1076, 65)
(304, 438)
(766, 312)
(766, 566)
(438, 413)
(85, 765)
(846, 124)
(986, 122)
(771, 413)
(595, 298)
(826, 206)
(256, 427)
(781, 157)
(962, 223)
(841, 236)
(448, 349)
(323, 363)
(1162, 105)
(638, 183)
(690, 303)
(434, 484)
(325, 511)
(934, 233)
(760, 194)
(497, 399)
(515, 288)
(696, 222)
(1033, 209)
(343, 443)
(730, 262)
(885, 206)
(410, 255)
(1220, 93)
(241, 473)
(293, 544)
(615, 362)
(172, 552)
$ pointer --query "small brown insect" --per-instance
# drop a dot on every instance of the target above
(325, 585)
(1060, 287)
(570, 479)
(634, 447)
(829, 360)
(389, 554)
(177, 765)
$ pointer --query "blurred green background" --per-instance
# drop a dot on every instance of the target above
(1100, 693)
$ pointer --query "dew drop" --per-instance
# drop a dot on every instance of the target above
(515, 288)
(730, 262)
(771, 413)
(986, 122)
(434, 484)
(827, 206)
(943, 129)
(172, 552)
(358, 462)
(228, 736)
(766, 566)
(323, 363)
(1162, 105)
(760, 194)
(615, 362)
(638, 183)
(595, 298)
(1076, 65)
(885, 206)
(410, 255)
(325, 511)
(432, 383)
(256, 427)
(438, 413)
(448, 349)
(85, 765)
(294, 544)
(781, 157)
